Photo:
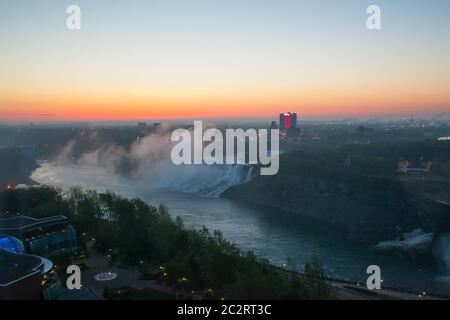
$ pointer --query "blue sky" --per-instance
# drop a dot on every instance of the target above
(290, 50)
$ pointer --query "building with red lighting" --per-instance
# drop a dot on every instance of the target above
(288, 125)
(288, 121)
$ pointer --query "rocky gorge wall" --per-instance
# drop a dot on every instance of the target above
(369, 211)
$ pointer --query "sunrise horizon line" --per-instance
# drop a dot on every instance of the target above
(381, 116)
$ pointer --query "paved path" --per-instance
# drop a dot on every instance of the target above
(98, 263)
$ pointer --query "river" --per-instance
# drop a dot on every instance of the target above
(266, 232)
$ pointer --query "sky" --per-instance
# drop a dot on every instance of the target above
(225, 58)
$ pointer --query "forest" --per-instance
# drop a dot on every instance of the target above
(149, 238)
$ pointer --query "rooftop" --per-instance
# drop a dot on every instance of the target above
(16, 266)
(24, 222)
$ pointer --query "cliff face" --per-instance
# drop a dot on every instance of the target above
(434, 215)
(368, 210)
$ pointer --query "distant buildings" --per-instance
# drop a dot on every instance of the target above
(146, 127)
(6, 187)
(288, 121)
(288, 125)
(142, 125)
(361, 130)
(405, 166)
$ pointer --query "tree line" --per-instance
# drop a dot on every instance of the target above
(148, 237)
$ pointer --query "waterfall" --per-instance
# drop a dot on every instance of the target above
(205, 180)
(249, 174)
(210, 181)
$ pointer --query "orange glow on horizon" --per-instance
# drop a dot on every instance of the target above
(123, 112)
(49, 102)
(187, 61)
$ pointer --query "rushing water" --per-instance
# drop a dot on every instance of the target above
(267, 233)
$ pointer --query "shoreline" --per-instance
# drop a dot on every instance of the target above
(341, 283)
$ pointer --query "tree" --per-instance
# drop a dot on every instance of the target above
(316, 280)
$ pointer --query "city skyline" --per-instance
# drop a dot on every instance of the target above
(172, 59)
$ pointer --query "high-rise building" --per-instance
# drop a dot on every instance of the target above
(288, 121)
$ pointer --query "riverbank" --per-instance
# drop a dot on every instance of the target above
(161, 245)
(268, 233)
(131, 278)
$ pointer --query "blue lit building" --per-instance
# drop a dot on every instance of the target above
(24, 273)
(42, 237)
(11, 244)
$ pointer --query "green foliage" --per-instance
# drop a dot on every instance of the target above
(146, 236)
(314, 275)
